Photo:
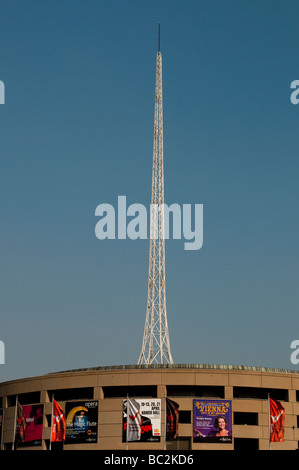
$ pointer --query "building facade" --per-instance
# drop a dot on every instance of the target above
(104, 390)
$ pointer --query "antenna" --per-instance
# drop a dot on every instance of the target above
(159, 39)
(155, 345)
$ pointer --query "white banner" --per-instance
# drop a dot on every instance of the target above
(143, 420)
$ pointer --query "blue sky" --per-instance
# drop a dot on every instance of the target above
(76, 131)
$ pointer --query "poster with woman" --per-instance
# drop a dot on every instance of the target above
(212, 421)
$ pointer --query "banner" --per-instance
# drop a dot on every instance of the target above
(81, 422)
(20, 424)
(212, 421)
(29, 425)
(172, 419)
(58, 423)
(277, 414)
(143, 417)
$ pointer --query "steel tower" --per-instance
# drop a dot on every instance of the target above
(155, 345)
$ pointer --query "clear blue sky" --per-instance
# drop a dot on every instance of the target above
(76, 131)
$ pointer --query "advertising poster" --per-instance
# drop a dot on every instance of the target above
(34, 425)
(81, 422)
(212, 421)
(141, 420)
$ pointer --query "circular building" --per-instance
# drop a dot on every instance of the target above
(171, 407)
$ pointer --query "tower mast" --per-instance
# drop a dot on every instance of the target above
(155, 345)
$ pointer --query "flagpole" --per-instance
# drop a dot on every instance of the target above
(165, 424)
(127, 422)
(269, 421)
(15, 425)
(50, 446)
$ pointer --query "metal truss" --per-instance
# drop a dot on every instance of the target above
(155, 345)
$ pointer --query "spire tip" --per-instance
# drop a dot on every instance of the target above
(159, 39)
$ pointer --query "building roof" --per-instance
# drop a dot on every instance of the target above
(181, 366)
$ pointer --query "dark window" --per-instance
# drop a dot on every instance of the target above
(250, 419)
(55, 446)
(71, 394)
(261, 393)
(184, 416)
(49, 420)
(137, 391)
(24, 398)
(8, 446)
(246, 444)
(196, 391)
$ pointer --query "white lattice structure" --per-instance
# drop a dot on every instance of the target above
(155, 345)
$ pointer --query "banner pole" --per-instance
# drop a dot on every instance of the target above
(15, 425)
(165, 424)
(269, 421)
(50, 446)
(127, 422)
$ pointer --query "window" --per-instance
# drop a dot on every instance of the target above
(24, 398)
(71, 394)
(261, 393)
(196, 391)
(137, 391)
(246, 444)
(245, 418)
(184, 416)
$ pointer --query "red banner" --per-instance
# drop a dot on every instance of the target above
(277, 414)
(21, 423)
(58, 423)
(172, 416)
(34, 422)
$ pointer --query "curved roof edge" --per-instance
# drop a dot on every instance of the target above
(180, 366)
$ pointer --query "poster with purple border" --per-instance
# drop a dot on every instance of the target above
(212, 421)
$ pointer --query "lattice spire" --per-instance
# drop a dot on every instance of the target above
(156, 346)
